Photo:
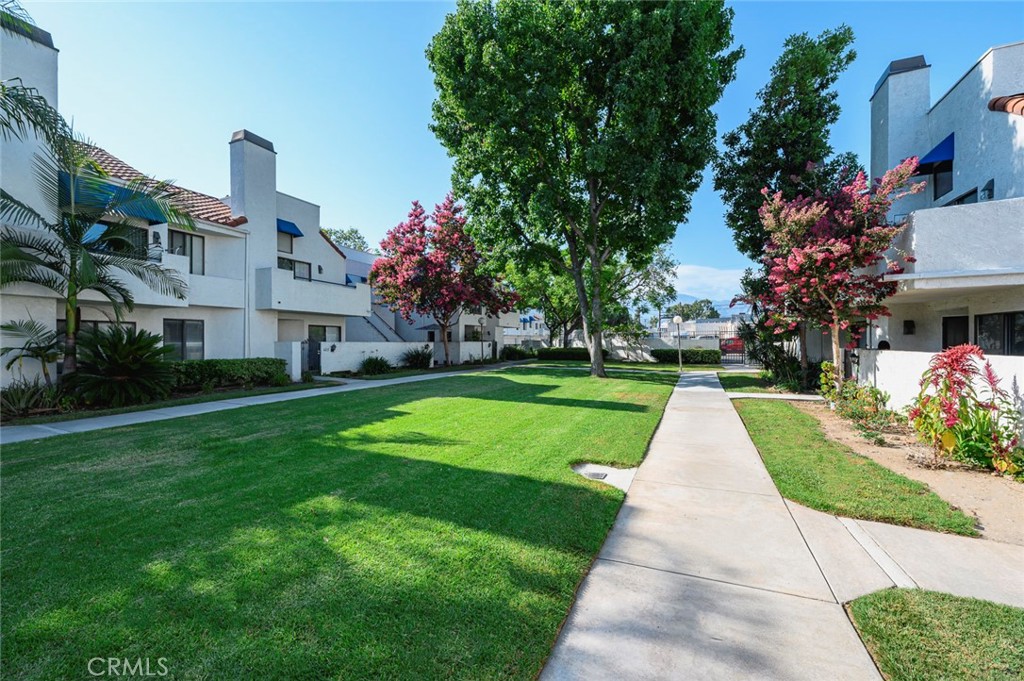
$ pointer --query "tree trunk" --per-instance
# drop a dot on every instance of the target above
(837, 358)
(444, 342)
(596, 321)
(805, 380)
(71, 314)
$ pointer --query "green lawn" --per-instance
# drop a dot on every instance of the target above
(173, 402)
(744, 383)
(823, 474)
(927, 636)
(428, 530)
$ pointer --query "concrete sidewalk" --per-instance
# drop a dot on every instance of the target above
(9, 434)
(708, 573)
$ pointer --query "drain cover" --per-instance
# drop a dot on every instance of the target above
(597, 476)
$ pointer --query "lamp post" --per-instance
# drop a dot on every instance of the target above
(482, 321)
(677, 320)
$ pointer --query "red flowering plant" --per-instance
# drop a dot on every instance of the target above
(964, 413)
(823, 251)
(431, 267)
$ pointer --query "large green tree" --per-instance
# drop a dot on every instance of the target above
(580, 129)
(788, 129)
(698, 309)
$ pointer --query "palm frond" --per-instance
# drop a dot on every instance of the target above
(19, 213)
(154, 275)
(144, 198)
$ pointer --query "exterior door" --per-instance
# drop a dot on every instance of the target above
(314, 355)
(955, 331)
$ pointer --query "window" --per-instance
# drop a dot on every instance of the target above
(284, 242)
(969, 197)
(186, 337)
(325, 334)
(189, 245)
(1001, 333)
(90, 326)
(942, 179)
(300, 269)
(431, 337)
(135, 243)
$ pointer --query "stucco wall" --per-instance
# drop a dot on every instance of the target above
(988, 145)
(348, 356)
(899, 373)
(927, 317)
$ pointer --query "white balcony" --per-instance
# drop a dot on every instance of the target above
(962, 248)
(210, 291)
(278, 289)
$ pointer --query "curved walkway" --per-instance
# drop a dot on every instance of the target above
(708, 573)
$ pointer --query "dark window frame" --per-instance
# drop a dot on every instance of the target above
(290, 267)
(181, 348)
(942, 179)
(309, 333)
(291, 243)
(189, 249)
(1006, 338)
(90, 326)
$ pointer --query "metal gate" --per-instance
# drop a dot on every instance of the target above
(313, 354)
(733, 350)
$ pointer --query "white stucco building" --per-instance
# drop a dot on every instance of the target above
(262, 279)
(385, 332)
(966, 229)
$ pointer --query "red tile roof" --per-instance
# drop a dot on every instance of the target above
(1011, 104)
(200, 206)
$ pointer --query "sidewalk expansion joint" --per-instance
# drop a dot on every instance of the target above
(720, 581)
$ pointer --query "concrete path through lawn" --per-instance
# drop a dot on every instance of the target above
(708, 573)
(9, 434)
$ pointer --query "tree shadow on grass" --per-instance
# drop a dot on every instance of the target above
(298, 540)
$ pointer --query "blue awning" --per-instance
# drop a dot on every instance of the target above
(98, 194)
(942, 152)
(286, 227)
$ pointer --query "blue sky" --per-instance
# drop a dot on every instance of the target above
(344, 92)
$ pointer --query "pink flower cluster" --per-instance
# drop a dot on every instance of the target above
(430, 266)
(823, 250)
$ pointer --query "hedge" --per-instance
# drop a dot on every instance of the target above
(690, 356)
(221, 373)
(514, 352)
(566, 353)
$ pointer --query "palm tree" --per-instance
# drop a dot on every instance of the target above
(39, 343)
(83, 241)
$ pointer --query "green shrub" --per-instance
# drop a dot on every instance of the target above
(374, 365)
(514, 352)
(121, 366)
(566, 353)
(963, 412)
(210, 374)
(307, 376)
(865, 405)
(690, 356)
(282, 379)
(418, 358)
(23, 398)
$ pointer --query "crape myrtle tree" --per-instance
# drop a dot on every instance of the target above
(431, 267)
(823, 255)
(579, 130)
(789, 128)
